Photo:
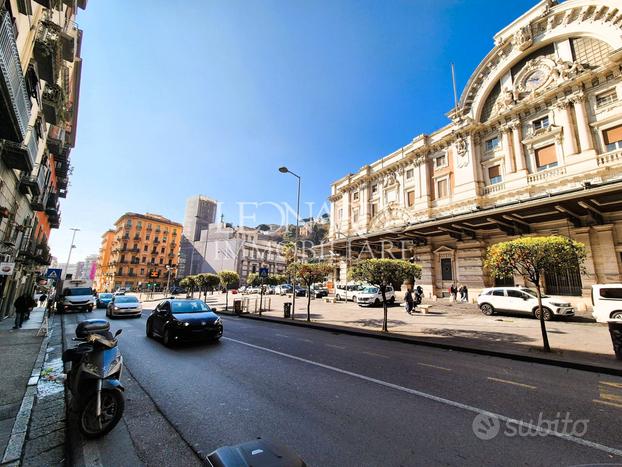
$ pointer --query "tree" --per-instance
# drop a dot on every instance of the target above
(310, 273)
(383, 273)
(253, 279)
(228, 279)
(211, 281)
(206, 281)
(530, 257)
(289, 253)
(189, 283)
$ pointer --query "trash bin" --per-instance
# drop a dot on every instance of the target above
(237, 306)
(615, 329)
(287, 309)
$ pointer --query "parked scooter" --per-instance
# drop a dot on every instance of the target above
(418, 295)
(94, 378)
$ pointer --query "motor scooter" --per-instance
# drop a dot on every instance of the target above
(94, 378)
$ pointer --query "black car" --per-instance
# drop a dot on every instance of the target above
(176, 320)
(175, 290)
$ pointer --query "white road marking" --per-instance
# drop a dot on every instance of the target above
(505, 381)
(459, 405)
(435, 366)
(305, 340)
(281, 335)
(373, 354)
(341, 347)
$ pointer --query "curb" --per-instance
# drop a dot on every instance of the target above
(439, 345)
(15, 446)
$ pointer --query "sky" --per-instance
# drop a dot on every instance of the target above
(186, 97)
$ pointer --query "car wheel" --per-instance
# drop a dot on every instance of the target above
(548, 314)
(338, 298)
(166, 338)
(616, 315)
(376, 302)
(149, 330)
(392, 300)
(487, 309)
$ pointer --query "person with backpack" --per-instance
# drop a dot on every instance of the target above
(23, 305)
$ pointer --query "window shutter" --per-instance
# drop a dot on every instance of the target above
(411, 198)
(613, 135)
(494, 171)
(546, 155)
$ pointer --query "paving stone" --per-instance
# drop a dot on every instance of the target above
(43, 430)
(45, 443)
(51, 457)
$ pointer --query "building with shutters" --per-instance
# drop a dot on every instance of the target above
(533, 147)
(143, 248)
(40, 73)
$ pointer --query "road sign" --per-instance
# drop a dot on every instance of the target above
(53, 273)
(264, 272)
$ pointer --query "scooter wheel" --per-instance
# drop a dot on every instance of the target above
(112, 406)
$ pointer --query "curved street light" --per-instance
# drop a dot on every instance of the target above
(285, 170)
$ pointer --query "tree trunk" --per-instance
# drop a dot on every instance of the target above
(545, 338)
(226, 299)
(384, 305)
(308, 303)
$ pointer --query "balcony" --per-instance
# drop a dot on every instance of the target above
(15, 105)
(47, 51)
(53, 101)
(38, 203)
(546, 175)
(20, 156)
(56, 139)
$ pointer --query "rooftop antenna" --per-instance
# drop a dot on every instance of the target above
(453, 81)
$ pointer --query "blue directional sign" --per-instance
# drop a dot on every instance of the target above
(264, 272)
(53, 273)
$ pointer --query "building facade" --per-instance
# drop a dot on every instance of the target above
(143, 248)
(534, 147)
(240, 249)
(200, 213)
(40, 70)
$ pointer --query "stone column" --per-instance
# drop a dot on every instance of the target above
(586, 141)
(507, 150)
(563, 111)
(519, 154)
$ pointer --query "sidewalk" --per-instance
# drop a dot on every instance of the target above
(31, 412)
(460, 326)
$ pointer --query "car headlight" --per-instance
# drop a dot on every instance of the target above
(183, 323)
(218, 322)
(560, 304)
(115, 308)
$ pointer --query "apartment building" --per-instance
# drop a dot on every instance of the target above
(40, 71)
(143, 248)
(533, 147)
(199, 214)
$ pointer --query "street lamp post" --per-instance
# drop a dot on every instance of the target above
(71, 247)
(168, 279)
(285, 170)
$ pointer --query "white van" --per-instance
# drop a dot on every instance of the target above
(607, 302)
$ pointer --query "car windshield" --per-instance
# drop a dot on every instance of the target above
(370, 290)
(126, 299)
(533, 293)
(190, 306)
(78, 291)
(105, 295)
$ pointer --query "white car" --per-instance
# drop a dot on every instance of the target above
(124, 305)
(607, 302)
(521, 300)
(349, 292)
(371, 295)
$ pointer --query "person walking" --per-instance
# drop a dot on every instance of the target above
(453, 290)
(465, 291)
(23, 305)
(42, 298)
(409, 303)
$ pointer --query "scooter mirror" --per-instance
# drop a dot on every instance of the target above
(119, 331)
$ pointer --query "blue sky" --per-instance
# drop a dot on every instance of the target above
(201, 96)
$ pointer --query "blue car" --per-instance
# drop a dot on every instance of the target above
(103, 299)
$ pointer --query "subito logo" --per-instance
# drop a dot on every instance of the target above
(486, 427)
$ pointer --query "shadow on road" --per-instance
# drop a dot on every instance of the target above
(479, 335)
(377, 322)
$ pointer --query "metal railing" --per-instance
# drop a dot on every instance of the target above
(12, 72)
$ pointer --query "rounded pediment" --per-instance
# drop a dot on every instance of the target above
(498, 82)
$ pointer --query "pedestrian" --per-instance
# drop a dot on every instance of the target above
(23, 305)
(453, 290)
(42, 298)
(461, 292)
(409, 303)
(466, 293)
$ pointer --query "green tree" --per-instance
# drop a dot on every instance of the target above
(310, 273)
(253, 279)
(189, 283)
(211, 281)
(229, 280)
(530, 257)
(382, 273)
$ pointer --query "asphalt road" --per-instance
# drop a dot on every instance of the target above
(340, 400)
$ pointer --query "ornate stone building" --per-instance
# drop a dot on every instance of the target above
(534, 147)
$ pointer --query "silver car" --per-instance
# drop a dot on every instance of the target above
(124, 305)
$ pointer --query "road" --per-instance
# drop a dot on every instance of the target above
(341, 400)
